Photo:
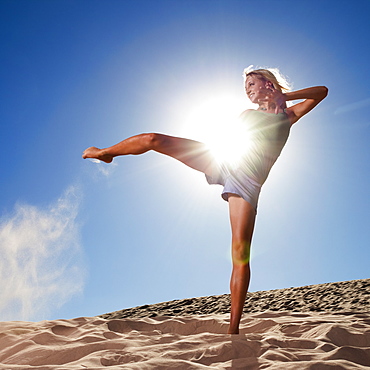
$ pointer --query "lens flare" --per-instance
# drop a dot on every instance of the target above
(215, 122)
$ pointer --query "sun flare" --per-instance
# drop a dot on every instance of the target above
(215, 122)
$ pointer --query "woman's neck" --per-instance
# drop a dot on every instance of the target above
(269, 107)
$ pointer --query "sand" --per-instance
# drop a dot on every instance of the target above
(331, 297)
(323, 326)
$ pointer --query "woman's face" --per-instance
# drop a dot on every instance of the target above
(256, 88)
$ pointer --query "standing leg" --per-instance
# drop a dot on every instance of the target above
(242, 218)
(192, 153)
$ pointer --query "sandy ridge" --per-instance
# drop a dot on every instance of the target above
(326, 326)
(351, 295)
(268, 340)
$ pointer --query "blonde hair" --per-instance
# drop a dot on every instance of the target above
(269, 74)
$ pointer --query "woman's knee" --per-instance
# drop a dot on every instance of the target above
(150, 139)
(241, 252)
(154, 141)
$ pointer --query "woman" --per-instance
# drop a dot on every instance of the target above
(269, 127)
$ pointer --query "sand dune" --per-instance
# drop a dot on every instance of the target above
(269, 339)
(351, 295)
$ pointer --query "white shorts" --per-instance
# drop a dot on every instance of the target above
(235, 182)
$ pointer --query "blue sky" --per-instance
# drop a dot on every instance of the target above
(82, 239)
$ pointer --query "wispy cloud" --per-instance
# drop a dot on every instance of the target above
(40, 264)
(353, 106)
(103, 168)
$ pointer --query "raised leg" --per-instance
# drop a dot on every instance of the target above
(242, 218)
(192, 153)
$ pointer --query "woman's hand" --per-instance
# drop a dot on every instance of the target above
(276, 98)
(279, 99)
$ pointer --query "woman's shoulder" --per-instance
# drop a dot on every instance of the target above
(246, 112)
(290, 114)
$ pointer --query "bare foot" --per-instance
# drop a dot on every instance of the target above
(97, 153)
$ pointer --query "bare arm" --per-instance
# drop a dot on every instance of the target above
(312, 96)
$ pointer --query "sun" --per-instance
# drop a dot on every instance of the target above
(215, 122)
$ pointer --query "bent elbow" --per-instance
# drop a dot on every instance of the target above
(325, 91)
